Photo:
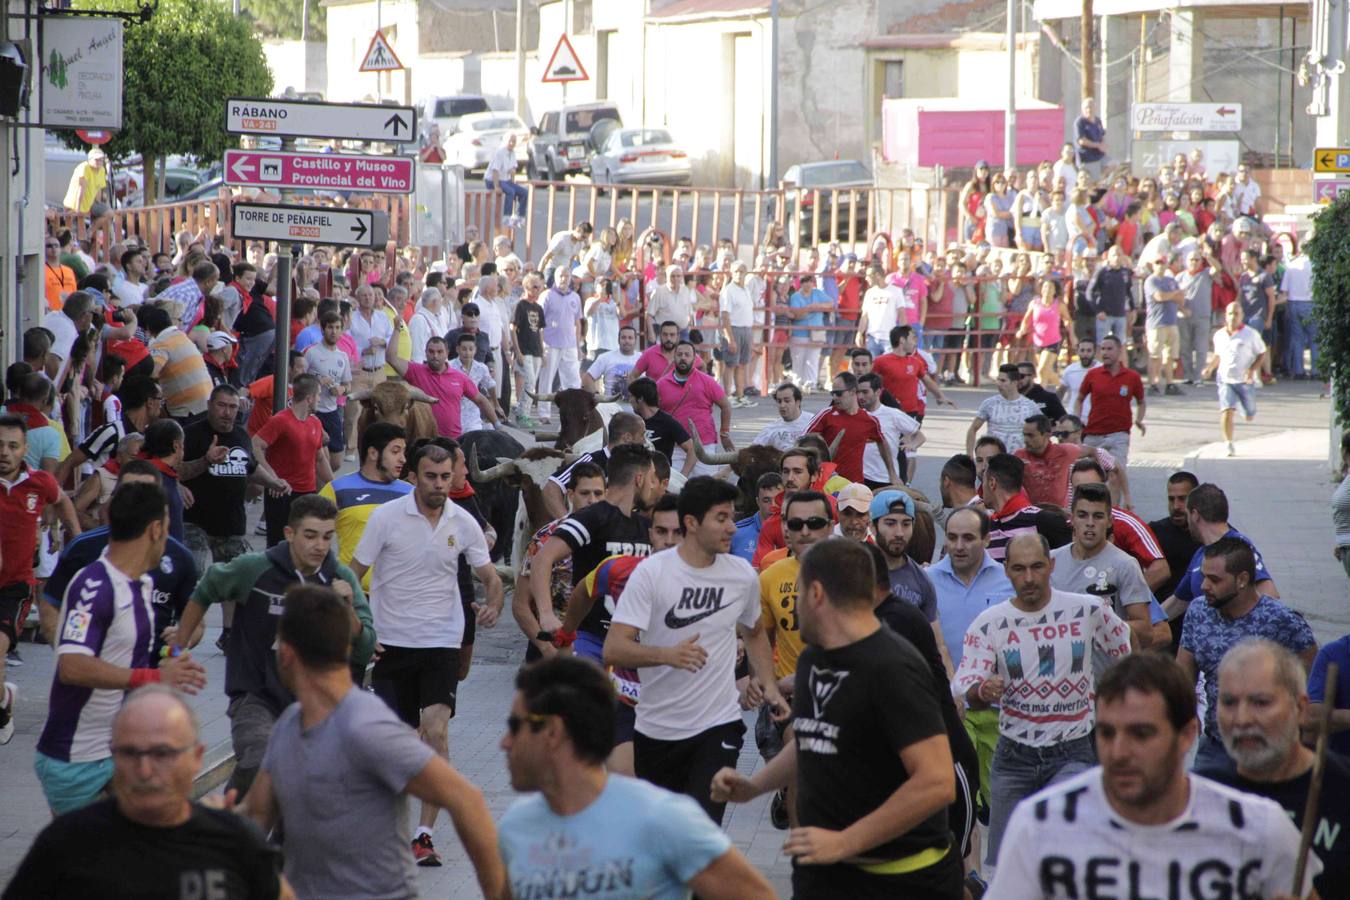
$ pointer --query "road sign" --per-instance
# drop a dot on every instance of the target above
(1331, 159)
(94, 137)
(1325, 190)
(564, 65)
(319, 171)
(380, 56)
(311, 225)
(1215, 156)
(1186, 117)
(339, 121)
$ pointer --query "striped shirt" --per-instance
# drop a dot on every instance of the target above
(183, 378)
(356, 497)
(109, 616)
(563, 479)
(1020, 516)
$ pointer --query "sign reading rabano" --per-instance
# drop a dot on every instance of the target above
(81, 72)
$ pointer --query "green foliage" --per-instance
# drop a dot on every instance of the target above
(178, 71)
(282, 18)
(1329, 251)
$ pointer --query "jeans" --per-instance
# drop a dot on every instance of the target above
(515, 196)
(564, 363)
(253, 352)
(1113, 325)
(1302, 334)
(1195, 339)
(1020, 770)
(876, 347)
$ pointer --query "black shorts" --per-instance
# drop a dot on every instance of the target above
(687, 766)
(12, 599)
(332, 427)
(940, 881)
(625, 723)
(961, 813)
(470, 616)
(410, 679)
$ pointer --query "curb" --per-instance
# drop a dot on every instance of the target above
(217, 767)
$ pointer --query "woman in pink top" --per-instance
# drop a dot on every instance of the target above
(1042, 320)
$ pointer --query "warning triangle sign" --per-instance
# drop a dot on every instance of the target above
(564, 65)
(380, 56)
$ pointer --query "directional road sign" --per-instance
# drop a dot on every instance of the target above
(1331, 159)
(311, 224)
(338, 121)
(1186, 117)
(1327, 190)
(319, 171)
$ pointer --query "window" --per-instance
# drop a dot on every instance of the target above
(581, 16)
(550, 123)
(892, 79)
(580, 121)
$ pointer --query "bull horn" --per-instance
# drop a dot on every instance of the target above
(720, 458)
(359, 395)
(546, 435)
(608, 398)
(419, 395)
(501, 470)
(834, 444)
(539, 398)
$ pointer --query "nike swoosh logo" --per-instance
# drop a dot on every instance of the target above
(674, 621)
(726, 746)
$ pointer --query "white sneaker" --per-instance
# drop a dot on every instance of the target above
(1231, 450)
(10, 697)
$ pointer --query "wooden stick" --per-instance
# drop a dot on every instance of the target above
(1315, 785)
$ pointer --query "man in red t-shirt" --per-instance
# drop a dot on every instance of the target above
(903, 369)
(845, 417)
(1111, 386)
(260, 394)
(24, 494)
(1046, 465)
(288, 445)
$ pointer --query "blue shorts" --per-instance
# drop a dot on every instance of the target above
(332, 427)
(1231, 396)
(589, 646)
(72, 785)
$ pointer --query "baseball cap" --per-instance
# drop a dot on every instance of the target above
(218, 340)
(886, 502)
(96, 153)
(982, 164)
(857, 497)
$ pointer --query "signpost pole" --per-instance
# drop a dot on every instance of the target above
(9, 322)
(282, 366)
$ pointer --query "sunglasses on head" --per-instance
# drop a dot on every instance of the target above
(514, 723)
(815, 523)
(839, 393)
(1063, 435)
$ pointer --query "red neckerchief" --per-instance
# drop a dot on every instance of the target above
(112, 467)
(32, 416)
(462, 494)
(1016, 503)
(160, 464)
(245, 298)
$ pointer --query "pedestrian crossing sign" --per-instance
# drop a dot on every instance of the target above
(380, 56)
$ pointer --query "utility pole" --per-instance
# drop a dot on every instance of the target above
(9, 305)
(520, 59)
(1010, 112)
(1085, 54)
(773, 95)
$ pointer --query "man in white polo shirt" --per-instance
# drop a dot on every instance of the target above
(417, 540)
(736, 310)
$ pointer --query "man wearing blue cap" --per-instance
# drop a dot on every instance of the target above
(893, 523)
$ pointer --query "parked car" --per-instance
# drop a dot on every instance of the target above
(563, 142)
(446, 111)
(832, 178)
(480, 134)
(640, 156)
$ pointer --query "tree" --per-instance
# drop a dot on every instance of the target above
(1329, 252)
(287, 19)
(178, 70)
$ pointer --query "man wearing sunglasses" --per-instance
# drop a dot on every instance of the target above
(581, 824)
(859, 429)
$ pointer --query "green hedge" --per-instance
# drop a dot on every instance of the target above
(1329, 250)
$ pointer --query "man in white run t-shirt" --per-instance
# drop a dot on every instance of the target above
(1071, 379)
(414, 546)
(1139, 825)
(688, 605)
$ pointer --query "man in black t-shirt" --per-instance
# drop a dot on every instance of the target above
(1174, 537)
(663, 430)
(218, 463)
(150, 840)
(1264, 701)
(623, 428)
(615, 526)
(1046, 400)
(863, 696)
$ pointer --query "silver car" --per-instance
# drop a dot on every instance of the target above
(640, 156)
(479, 136)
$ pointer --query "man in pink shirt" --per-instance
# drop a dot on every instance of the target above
(440, 381)
(915, 287)
(688, 394)
(658, 360)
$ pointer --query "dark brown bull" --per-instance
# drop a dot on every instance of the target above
(578, 415)
(747, 463)
(399, 404)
